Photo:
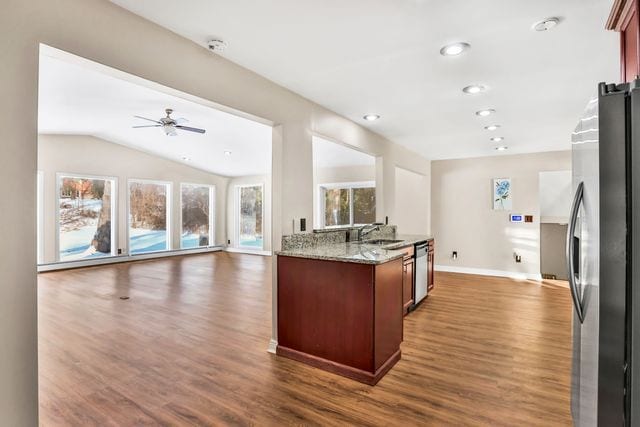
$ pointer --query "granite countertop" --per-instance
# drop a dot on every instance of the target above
(358, 252)
(407, 239)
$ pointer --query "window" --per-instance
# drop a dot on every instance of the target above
(197, 204)
(86, 217)
(249, 221)
(347, 204)
(337, 207)
(149, 229)
(364, 205)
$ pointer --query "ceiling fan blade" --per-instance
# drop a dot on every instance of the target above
(147, 126)
(151, 120)
(190, 129)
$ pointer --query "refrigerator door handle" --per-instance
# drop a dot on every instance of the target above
(573, 218)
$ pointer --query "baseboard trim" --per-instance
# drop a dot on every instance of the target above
(486, 272)
(247, 251)
(366, 377)
(69, 265)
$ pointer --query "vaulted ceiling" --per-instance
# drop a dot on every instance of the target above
(79, 99)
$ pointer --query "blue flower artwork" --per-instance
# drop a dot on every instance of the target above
(502, 194)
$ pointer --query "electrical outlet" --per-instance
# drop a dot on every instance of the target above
(454, 255)
(303, 224)
(517, 257)
(228, 242)
(119, 251)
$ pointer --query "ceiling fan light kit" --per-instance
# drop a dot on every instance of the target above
(168, 124)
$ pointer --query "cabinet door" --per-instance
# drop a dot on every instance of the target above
(407, 285)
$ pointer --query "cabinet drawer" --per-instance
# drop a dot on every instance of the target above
(408, 252)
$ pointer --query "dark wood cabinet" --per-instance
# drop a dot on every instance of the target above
(342, 317)
(407, 284)
(625, 20)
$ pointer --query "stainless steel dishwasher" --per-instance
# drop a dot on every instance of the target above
(420, 283)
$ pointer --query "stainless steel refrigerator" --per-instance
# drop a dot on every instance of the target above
(603, 258)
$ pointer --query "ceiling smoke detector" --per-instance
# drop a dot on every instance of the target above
(217, 45)
(546, 24)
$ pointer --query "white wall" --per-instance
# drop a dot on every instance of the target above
(232, 205)
(463, 218)
(412, 202)
(103, 32)
(87, 155)
(555, 196)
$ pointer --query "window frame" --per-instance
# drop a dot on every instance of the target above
(212, 213)
(169, 201)
(114, 211)
(322, 190)
(40, 216)
(237, 203)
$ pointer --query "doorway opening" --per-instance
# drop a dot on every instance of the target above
(555, 201)
(130, 169)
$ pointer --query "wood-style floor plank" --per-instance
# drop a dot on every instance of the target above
(189, 348)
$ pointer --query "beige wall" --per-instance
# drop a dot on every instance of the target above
(552, 250)
(412, 197)
(87, 155)
(463, 219)
(101, 31)
(232, 205)
(345, 174)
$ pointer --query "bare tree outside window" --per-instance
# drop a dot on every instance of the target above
(147, 217)
(84, 211)
(196, 202)
(336, 202)
(364, 205)
(349, 206)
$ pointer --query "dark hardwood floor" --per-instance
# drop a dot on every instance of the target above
(189, 348)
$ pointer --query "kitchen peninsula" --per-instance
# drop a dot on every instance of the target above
(340, 302)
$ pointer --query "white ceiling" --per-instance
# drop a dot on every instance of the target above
(327, 154)
(380, 56)
(75, 99)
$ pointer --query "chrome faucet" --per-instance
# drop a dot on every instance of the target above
(368, 228)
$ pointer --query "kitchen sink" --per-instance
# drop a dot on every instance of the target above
(381, 241)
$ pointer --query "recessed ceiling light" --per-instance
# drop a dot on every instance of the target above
(371, 117)
(473, 89)
(485, 113)
(501, 148)
(497, 138)
(454, 49)
(227, 153)
(546, 24)
(492, 127)
(186, 159)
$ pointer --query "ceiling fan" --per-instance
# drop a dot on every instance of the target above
(168, 124)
